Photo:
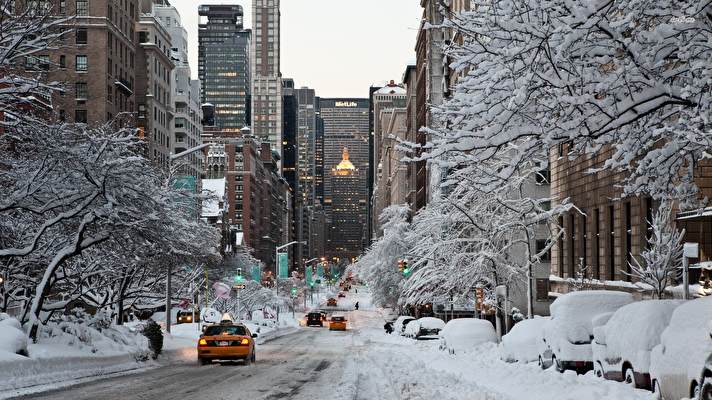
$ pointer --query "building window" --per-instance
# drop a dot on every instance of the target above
(628, 240)
(81, 90)
(82, 36)
(82, 63)
(82, 7)
(572, 246)
(611, 243)
(80, 116)
(597, 244)
(62, 115)
(62, 61)
(540, 246)
(62, 7)
(109, 95)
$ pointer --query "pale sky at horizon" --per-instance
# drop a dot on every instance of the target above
(346, 47)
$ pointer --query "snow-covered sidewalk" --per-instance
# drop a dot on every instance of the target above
(393, 367)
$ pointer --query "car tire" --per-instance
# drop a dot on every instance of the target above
(629, 377)
(598, 370)
(705, 392)
(557, 364)
(203, 361)
(655, 388)
(541, 363)
(695, 392)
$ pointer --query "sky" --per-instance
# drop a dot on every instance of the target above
(338, 47)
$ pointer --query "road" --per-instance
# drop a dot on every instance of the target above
(288, 367)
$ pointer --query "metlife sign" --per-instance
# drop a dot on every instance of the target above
(346, 104)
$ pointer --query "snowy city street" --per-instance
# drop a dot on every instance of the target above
(361, 363)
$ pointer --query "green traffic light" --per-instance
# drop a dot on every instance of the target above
(239, 279)
(406, 271)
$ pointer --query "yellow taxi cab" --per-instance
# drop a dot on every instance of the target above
(227, 340)
(337, 323)
(331, 302)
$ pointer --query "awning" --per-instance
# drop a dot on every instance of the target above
(703, 212)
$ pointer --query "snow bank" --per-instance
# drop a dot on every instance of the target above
(431, 323)
(464, 334)
(13, 341)
(632, 332)
(522, 342)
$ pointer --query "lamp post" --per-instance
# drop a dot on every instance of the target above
(172, 158)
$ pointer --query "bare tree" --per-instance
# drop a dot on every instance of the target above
(662, 259)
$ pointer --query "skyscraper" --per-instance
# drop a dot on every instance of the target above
(306, 133)
(223, 64)
(345, 125)
(346, 231)
(266, 76)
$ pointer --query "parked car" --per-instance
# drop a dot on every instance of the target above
(521, 344)
(14, 339)
(426, 328)
(678, 362)
(463, 334)
(567, 336)
(314, 319)
(401, 323)
(622, 346)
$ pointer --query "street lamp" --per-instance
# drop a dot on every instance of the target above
(171, 158)
(276, 255)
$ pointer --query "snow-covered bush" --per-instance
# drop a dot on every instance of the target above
(153, 333)
(12, 338)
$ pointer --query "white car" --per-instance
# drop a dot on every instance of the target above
(622, 347)
(428, 328)
(567, 336)
(411, 329)
(677, 363)
(401, 323)
(521, 344)
(464, 334)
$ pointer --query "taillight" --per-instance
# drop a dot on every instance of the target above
(245, 341)
(202, 342)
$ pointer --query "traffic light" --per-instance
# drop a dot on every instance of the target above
(401, 266)
(406, 269)
(239, 278)
(294, 292)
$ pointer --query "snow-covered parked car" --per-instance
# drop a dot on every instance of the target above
(401, 323)
(13, 340)
(463, 334)
(567, 336)
(622, 347)
(426, 328)
(521, 344)
(677, 363)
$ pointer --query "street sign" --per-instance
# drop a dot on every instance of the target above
(691, 250)
(256, 273)
(283, 265)
(239, 287)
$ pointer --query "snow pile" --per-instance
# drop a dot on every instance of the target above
(684, 346)
(633, 331)
(522, 342)
(84, 335)
(13, 341)
(464, 334)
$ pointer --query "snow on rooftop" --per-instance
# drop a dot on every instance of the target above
(216, 188)
(391, 90)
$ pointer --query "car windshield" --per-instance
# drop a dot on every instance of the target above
(225, 330)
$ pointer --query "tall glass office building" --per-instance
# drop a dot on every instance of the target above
(224, 64)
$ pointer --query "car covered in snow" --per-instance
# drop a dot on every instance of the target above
(426, 328)
(464, 334)
(13, 339)
(677, 363)
(567, 336)
(521, 344)
(622, 346)
(401, 323)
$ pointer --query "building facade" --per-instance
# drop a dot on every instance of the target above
(187, 126)
(97, 61)
(266, 100)
(224, 64)
(154, 66)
